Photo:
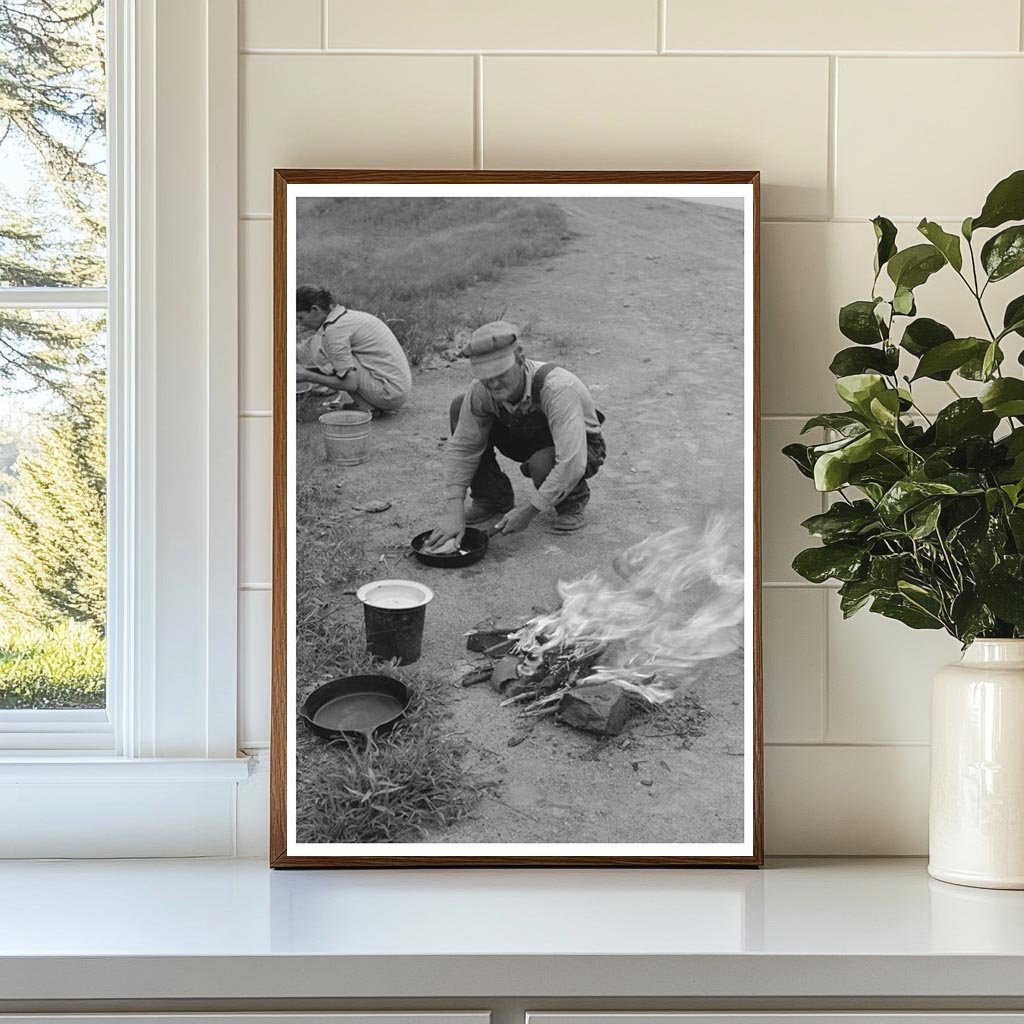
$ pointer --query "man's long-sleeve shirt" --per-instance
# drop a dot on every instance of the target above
(569, 409)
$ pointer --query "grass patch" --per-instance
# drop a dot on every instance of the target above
(407, 260)
(414, 779)
(410, 782)
(61, 667)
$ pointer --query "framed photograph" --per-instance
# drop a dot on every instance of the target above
(516, 587)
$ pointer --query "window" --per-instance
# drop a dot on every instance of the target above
(53, 371)
(162, 306)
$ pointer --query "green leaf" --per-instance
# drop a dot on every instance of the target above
(872, 491)
(990, 360)
(994, 499)
(950, 355)
(877, 471)
(923, 335)
(885, 236)
(1003, 254)
(817, 450)
(912, 267)
(1015, 519)
(925, 518)
(1013, 317)
(965, 228)
(857, 321)
(1005, 202)
(903, 302)
(1005, 596)
(831, 471)
(964, 482)
(947, 244)
(887, 570)
(841, 561)
(799, 455)
(966, 417)
(885, 409)
(1004, 397)
(843, 521)
(906, 494)
(971, 617)
(974, 368)
(1014, 441)
(899, 608)
(863, 447)
(855, 594)
(858, 389)
(849, 361)
(841, 421)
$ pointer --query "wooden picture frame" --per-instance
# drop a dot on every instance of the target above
(646, 284)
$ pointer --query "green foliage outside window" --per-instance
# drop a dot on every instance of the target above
(52, 366)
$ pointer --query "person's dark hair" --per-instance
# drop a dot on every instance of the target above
(309, 295)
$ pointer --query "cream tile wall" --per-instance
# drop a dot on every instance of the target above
(907, 110)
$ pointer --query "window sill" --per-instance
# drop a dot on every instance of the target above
(80, 767)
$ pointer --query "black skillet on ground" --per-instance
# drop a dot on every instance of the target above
(472, 548)
(357, 705)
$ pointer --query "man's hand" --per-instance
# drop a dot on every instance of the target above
(305, 375)
(517, 520)
(451, 525)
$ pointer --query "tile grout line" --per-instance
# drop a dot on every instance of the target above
(825, 649)
(854, 744)
(825, 724)
(259, 51)
(833, 134)
(478, 111)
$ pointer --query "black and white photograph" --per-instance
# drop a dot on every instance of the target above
(516, 566)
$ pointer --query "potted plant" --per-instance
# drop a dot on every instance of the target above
(927, 521)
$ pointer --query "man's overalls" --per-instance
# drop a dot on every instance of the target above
(526, 439)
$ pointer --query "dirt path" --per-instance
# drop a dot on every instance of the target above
(645, 305)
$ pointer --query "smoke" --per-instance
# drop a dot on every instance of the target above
(678, 601)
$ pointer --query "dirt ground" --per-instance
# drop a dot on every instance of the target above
(645, 305)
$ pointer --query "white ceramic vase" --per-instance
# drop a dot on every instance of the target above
(976, 812)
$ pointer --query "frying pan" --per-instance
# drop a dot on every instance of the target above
(472, 548)
(359, 705)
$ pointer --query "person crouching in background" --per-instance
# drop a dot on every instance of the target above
(350, 351)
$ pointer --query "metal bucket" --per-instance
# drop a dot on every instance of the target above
(346, 436)
(394, 612)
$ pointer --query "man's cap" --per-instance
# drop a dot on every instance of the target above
(492, 348)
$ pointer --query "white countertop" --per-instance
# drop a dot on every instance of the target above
(234, 928)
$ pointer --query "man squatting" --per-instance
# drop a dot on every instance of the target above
(350, 351)
(537, 414)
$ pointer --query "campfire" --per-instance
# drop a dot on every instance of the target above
(677, 601)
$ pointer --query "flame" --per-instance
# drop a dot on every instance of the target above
(679, 601)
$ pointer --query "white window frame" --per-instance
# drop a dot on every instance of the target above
(170, 732)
